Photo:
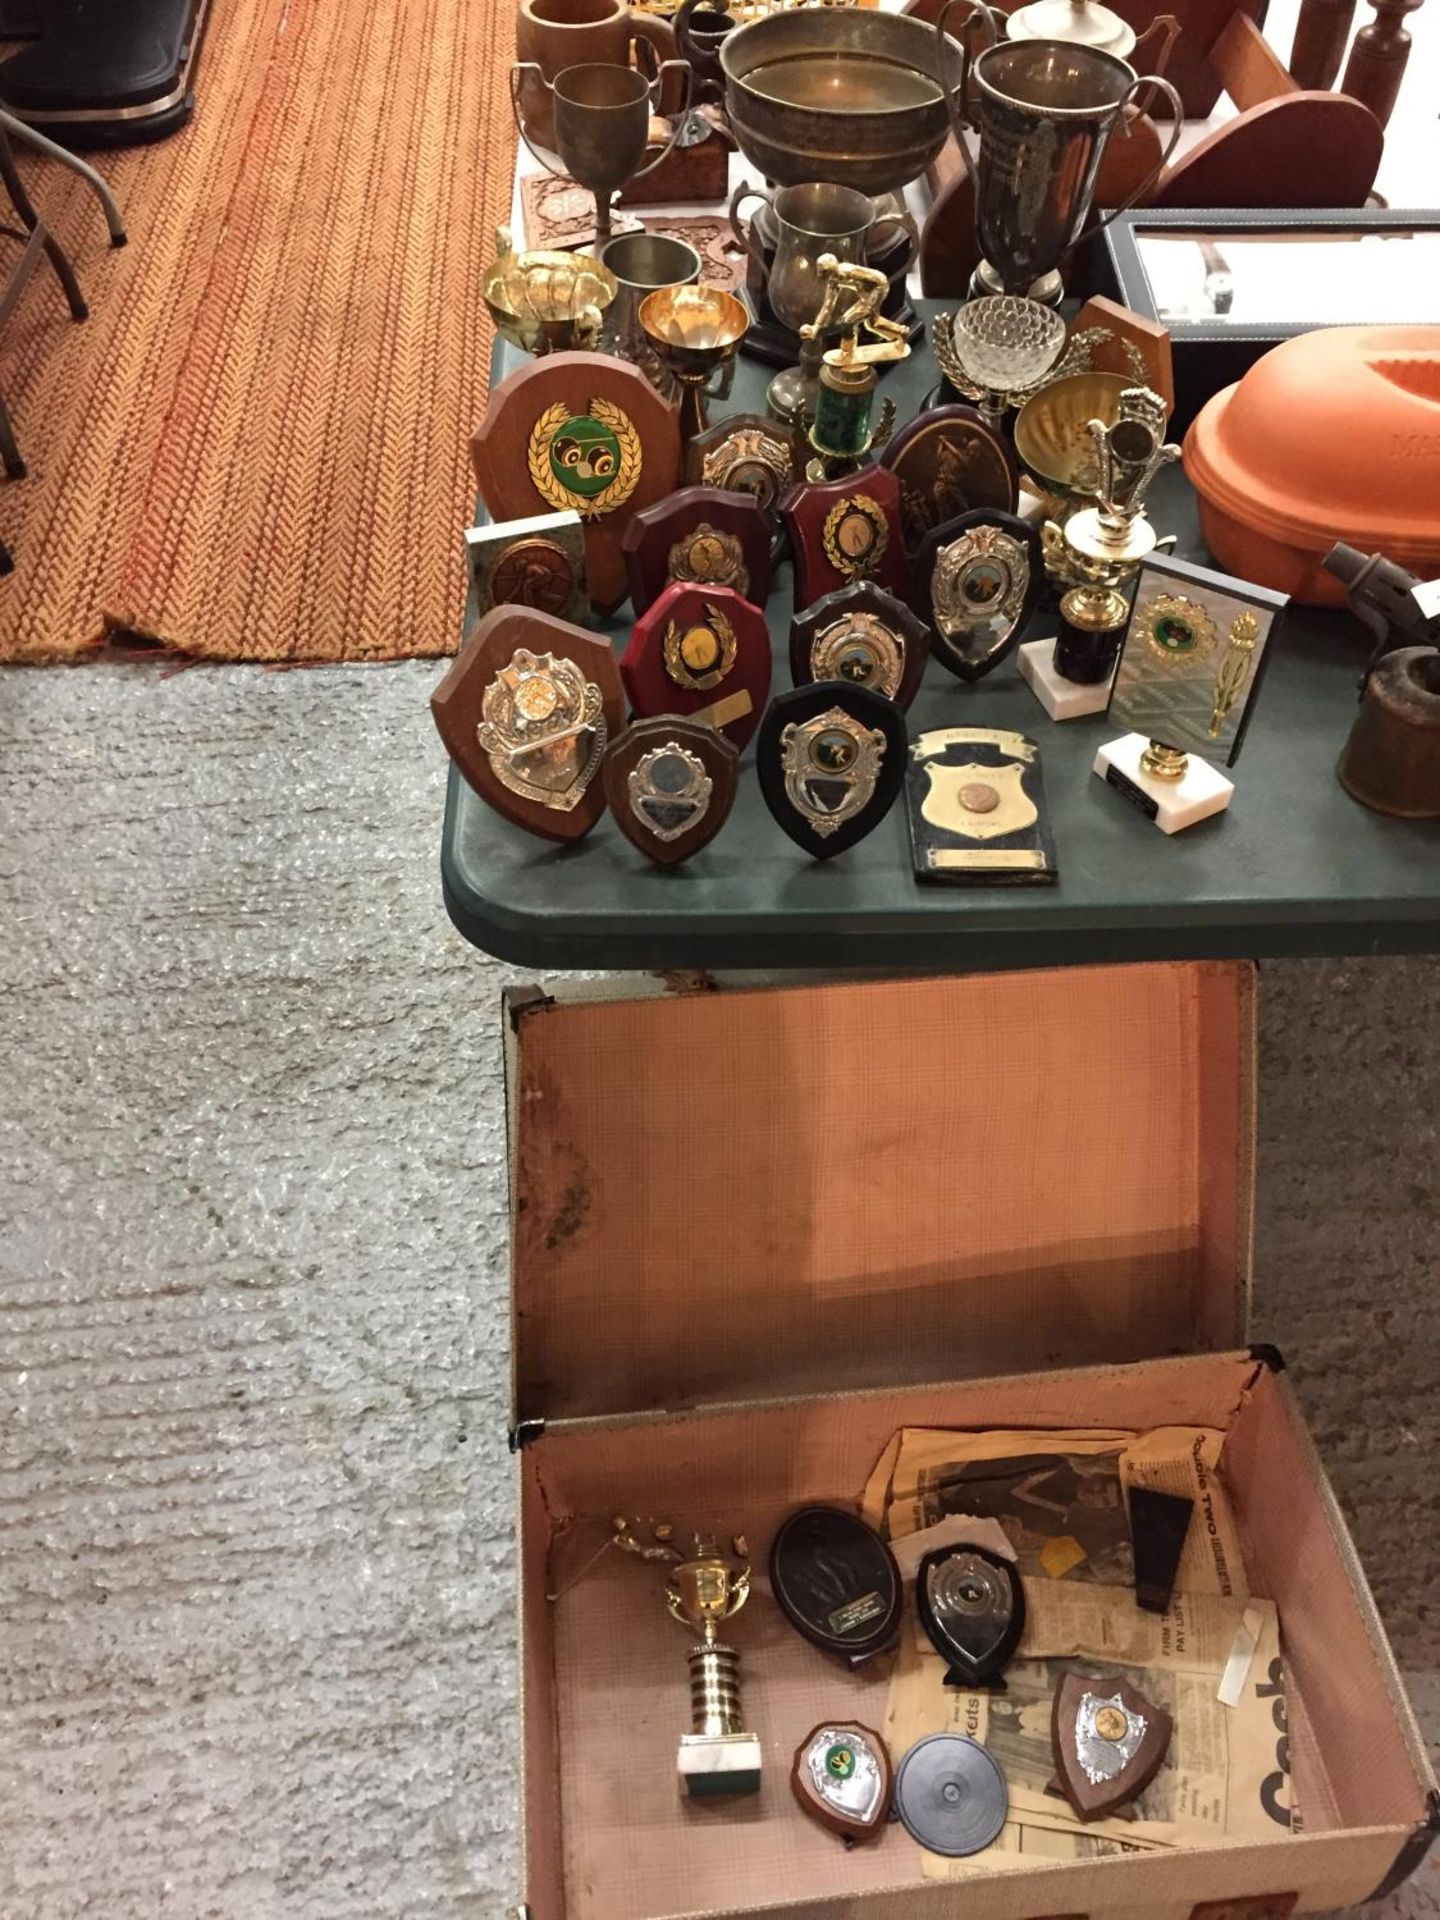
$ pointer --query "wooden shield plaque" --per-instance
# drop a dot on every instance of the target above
(976, 579)
(694, 648)
(747, 453)
(1110, 1742)
(700, 534)
(670, 785)
(846, 530)
(526, 713)
(948, 462)
(865, 636)
(583, 433)
(831, 758)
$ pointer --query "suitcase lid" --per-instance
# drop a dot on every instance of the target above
(726, 1195)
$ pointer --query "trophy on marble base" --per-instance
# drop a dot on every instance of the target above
(717, 1756)
(706, 1588)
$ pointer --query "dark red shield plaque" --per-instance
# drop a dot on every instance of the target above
(1110, 1742)
(670, 784)
(846, 530)
(701, 534)
(694, 648)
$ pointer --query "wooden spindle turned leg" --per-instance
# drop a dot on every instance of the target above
(1377, 60)
(1319, 45)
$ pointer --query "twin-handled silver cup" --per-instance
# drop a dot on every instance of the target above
(601, 115)
(1044, 111)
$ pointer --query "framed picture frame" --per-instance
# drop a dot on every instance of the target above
(1228, 285)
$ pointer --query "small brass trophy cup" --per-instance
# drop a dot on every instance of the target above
(717, 1756)
(840, 428)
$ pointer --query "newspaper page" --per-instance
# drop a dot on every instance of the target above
(1060, 1497)
(1220, 1776)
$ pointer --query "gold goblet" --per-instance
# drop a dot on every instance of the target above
(695, 331)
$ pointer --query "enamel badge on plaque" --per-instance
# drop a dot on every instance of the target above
(976, 579)
(697, 648)
(1110, 1742)
(830, 758)
(526, 713)
(670, 784)
(863, 635)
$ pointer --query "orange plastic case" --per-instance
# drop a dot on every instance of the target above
(1334, 435)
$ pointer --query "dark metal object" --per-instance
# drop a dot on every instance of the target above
(1159, 1523)
(37, 239)
(836, 1582)
(1384, 598)
(951, 1795)
(972, 1606)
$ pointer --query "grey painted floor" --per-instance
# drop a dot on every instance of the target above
(255, 1567)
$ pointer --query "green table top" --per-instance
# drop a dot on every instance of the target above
(1293, 867)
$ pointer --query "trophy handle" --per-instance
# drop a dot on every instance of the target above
(747, 238)
(955, 102)
(679, 119)
(1177, 128)
(517, 73)
(906, 221)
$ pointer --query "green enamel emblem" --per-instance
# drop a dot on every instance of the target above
(840, 1762)
(584, 456)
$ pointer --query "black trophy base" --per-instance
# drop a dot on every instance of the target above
(1085, 657)
(774, 344)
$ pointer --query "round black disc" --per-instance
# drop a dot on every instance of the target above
(836, 1582)
(951, 1795)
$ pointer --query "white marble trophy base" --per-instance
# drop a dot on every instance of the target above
(1062, 699)
(1172, 804)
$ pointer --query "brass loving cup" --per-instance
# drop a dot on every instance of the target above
(1044, 111)
(705, 1591)
(602, 114)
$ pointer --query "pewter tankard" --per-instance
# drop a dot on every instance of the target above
(1044, 111)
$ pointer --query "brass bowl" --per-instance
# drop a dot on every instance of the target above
(848, 95)
(1050, 429)
(547, 302)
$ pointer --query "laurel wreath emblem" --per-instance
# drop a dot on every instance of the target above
(550, 489)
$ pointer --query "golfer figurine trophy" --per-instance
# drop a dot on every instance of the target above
(840, 429)
(705, 1590)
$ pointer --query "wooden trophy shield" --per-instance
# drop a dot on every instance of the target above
(583, 433)
(846, 530)
(700, 534)
(842, 1778)
(977, 579)
(1110, 1742)
(696, 649)
(864, 636)
(949, 462)
(670, 784)
(831, 759)
(526, 713)
(1133, 338)
(747, 453)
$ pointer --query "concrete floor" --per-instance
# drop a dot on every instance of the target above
(255, 1546)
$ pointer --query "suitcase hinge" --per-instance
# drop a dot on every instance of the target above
(521, 1434)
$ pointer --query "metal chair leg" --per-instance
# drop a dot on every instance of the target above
(19, 130)
(56, 254)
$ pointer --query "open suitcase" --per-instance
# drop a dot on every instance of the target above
(753, 1234)
(107, 72)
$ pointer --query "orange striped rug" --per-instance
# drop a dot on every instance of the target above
(255, 448)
